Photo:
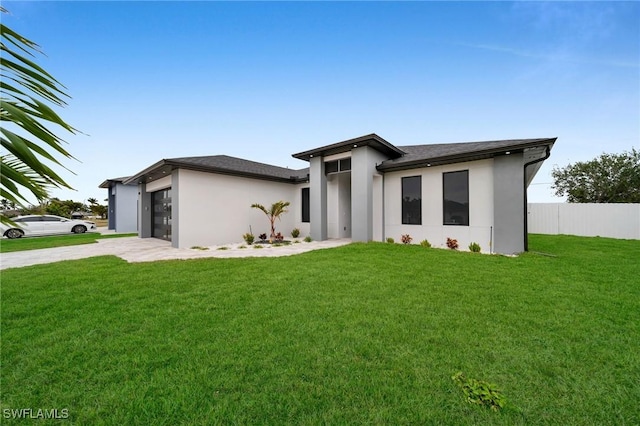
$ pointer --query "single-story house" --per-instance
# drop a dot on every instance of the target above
(365, 189)
(122, 205)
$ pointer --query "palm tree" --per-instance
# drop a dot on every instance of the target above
(25, 88)
(276, 210)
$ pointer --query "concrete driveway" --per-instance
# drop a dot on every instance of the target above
(134, 249)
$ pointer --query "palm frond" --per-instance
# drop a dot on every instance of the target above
(24, 88)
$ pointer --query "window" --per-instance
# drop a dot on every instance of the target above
(343, 165)
(305, 206)
(412, 200)
(330, 167)
(455, 188)
(29, 219)
(50, 219)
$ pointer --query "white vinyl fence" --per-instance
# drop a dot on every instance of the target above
(589, 220)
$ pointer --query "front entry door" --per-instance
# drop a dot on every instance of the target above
(162, 214)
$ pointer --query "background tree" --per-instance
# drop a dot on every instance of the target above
(99, 210)
(63, 208)
(609, 178)
(25, 90)
(96, 209)
(277, 209)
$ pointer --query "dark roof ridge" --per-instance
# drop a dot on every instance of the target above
(231, 157)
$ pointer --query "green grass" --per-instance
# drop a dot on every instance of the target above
(361, 334)
(34, 243)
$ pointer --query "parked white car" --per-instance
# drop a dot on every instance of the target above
(36, 225)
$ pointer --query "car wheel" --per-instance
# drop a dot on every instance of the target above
(79, 229)
(14, 233)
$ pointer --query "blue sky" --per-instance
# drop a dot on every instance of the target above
(261, 81)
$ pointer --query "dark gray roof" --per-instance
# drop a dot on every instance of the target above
(239, 165)
(445, 153)
(222, 164)
(403, 157)
(371, 140)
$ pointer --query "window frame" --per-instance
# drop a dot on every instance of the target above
(305, 206)
(331, 167)
(444, 200)
(404, 217)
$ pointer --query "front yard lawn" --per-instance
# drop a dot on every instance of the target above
(361, 334)
(34, 243)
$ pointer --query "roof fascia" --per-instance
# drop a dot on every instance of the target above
(371, 140)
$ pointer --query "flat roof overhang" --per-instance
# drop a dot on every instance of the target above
(107, 183)
(371, 140)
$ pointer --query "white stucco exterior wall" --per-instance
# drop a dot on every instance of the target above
(432, 228)
(216, 209)
(159, 184)
(126, 207)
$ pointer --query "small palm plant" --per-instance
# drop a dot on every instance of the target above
(277, 209)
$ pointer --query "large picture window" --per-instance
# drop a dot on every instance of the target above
(412, 200)
(455, 188)
(306, 216)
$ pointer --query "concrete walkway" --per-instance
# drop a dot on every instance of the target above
(134, 249)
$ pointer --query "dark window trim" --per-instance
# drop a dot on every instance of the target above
(444, 204)
(402, 207)
(337, 166)
(306, 207)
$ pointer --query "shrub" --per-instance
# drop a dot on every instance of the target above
(452, 244)
(278, 237)
(480, 392)
(475, 247)
(248, 238)
(257, 247)
(242, 247)
(262, 237)
(425, 243)
(390, 240)
(199, 248)
(406, 239)
(223, 248)
(295, 233)
(308, 239)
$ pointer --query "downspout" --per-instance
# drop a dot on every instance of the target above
(384, 224)
(526, 204)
